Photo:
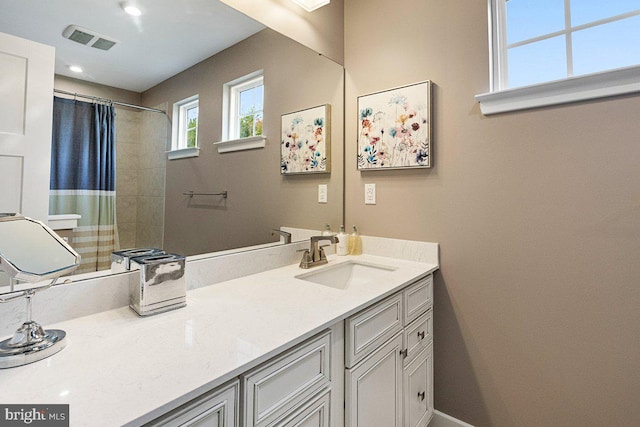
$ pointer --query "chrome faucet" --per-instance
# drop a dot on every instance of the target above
(286, 235)
(315, 254)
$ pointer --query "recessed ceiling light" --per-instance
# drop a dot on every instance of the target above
(75, 68)
(131, 9)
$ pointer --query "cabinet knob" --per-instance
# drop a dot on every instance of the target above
(404, 352)
(421, 395)
(421, 335)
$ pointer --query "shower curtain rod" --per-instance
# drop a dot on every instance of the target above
(95, 98)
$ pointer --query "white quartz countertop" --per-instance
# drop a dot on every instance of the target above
(120, 369)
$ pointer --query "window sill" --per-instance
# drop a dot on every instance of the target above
(241, 144)
(183, 153)
(592, 86)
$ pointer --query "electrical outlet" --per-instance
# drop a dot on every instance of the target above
(369, 194)
(322, 193)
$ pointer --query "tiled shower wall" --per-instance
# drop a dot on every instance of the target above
(141, 141)
(154, 137)
(127, 165)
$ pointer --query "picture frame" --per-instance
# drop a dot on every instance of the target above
(395, 128)
(305, 141)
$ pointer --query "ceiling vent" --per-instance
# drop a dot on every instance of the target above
(88, 37)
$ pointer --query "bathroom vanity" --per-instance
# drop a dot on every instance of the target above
(267, 349)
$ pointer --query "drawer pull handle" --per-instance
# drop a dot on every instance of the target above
(421, 335)
(421, 395)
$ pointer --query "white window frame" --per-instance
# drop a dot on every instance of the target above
(231, 114)
(234, 103)
(179, 147)
(571, 89)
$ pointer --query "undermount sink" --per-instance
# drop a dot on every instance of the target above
(346, 274)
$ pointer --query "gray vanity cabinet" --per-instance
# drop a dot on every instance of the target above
(390, 384)
(218, 408)
(387, 379)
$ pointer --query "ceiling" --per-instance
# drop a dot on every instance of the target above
(169, 36)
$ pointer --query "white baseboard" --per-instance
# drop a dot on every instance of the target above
(443, 420)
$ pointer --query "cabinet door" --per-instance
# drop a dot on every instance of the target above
(26, 117)
(218, 408)
(374, 388)
(418, 390)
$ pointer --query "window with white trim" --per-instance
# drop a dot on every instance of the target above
(588, 47)
(185, 126)
(245, 106)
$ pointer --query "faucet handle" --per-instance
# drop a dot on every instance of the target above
(306, 260)
(323, 257)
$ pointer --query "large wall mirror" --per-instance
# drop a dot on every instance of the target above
(152, 209)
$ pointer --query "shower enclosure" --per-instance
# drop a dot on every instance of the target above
(141, 146)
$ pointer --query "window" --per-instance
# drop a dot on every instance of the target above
(583, 47)
(246, 106)
(184, 142)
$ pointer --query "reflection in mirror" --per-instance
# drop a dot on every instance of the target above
(151, 210)
(31, 252)
(259, 198)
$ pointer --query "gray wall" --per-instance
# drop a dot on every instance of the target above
(260, 198)
(537, 214)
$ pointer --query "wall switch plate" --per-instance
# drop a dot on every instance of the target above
(369, 194)
(322, 193)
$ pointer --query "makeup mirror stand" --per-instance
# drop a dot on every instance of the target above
(30, 342)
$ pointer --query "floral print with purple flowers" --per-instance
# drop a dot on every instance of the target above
(305, 141)
(394, 128)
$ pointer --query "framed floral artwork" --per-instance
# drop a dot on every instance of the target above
(305, 141)
(394, 128)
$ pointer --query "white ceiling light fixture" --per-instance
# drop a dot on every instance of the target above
(75, 68)
(311, 5)
(131, 9)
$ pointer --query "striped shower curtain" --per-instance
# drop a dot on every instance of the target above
(83, 177)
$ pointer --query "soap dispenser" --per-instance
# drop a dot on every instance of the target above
(342, 248)
(355, 242)
(327, 230)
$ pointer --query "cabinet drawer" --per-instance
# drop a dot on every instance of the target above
(217, 408)
(418, 298)
(276, 388)
(418, 335)
(369, 329)
(313, 414)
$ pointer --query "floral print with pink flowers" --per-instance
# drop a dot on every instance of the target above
(305, 141)
(394, 128)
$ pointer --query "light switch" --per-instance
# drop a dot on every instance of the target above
(322, 193)
(369, 194)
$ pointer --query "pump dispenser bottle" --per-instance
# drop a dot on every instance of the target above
(342, 248)
(355, 242)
